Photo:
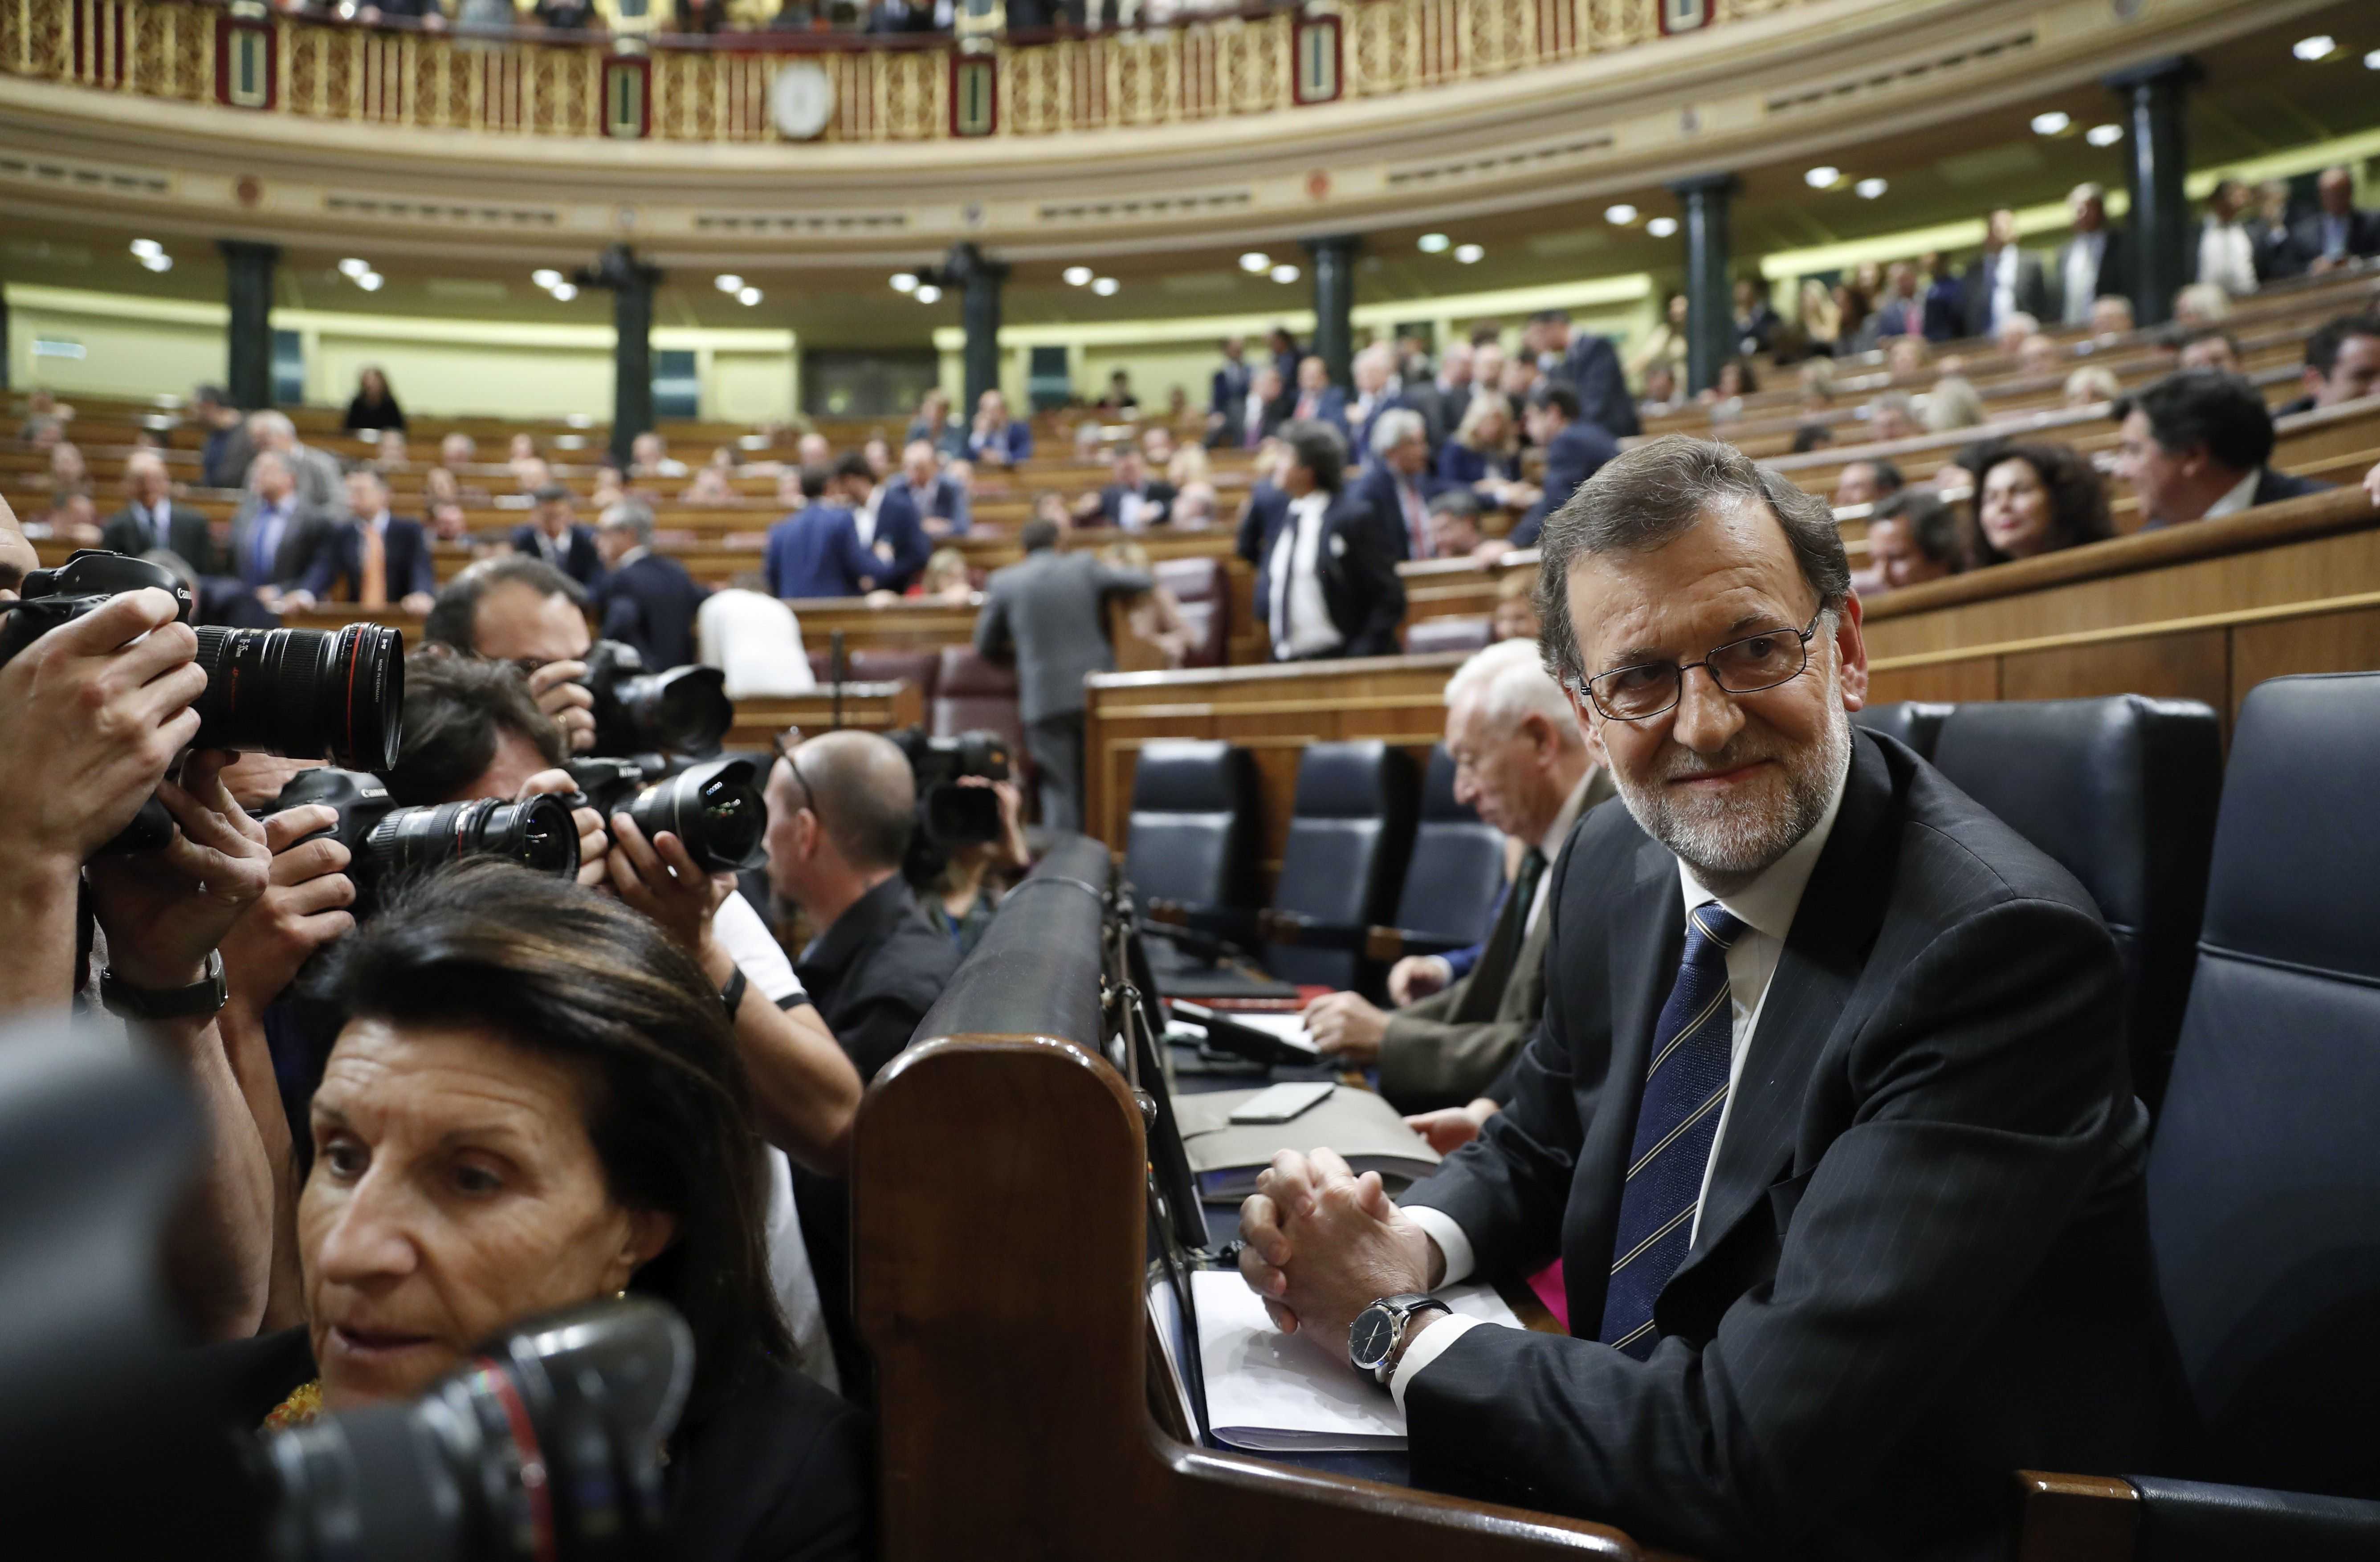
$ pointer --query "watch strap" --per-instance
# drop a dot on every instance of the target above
(732, 995)
(204, 997)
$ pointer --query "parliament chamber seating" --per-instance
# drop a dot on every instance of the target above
(1203, 587)
(1913, 722)
(1453, 875)
(1191, 837)
(974, 694)
(919, 668)
(1466, 632)
(1349, 831)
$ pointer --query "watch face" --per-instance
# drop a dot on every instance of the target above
(1374, 1334)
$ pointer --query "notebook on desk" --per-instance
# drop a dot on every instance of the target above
(1367, 1134)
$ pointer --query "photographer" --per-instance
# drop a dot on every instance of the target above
(962, 894)
(522, 609)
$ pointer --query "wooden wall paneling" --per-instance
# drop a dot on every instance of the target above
(1976, 679)
(2190, 665)
(2334, 642)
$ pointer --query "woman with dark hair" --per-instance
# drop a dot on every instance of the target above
(2034, 499)
(534, 1102)
(375, 405)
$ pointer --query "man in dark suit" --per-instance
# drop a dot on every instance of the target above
(1326, 565)
(1318, 400)
(940, 500)
(1228, 392)
(1260, 412)
(274, 535)
(1590, 365)
(1399, 484)
(1575, 450)
(2094, 263)
(1443, 400)
(2336, 235)
(556, 535)
(885, 515)
(150, 519)
(373, 559)
(1047, 615)
(2004, 281)
(2194, 447)
(645, 599)
(816, 552)
(1135, 500)
(2342, 364)
(1376, 393)
(1829, 1117)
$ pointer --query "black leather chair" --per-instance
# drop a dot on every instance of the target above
(1913, 721)
(2122, 793)
(1192, 837)
(1452, 880)
(2264, 1181)
(1350, 829)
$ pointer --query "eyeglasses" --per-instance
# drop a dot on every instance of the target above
(785, 742)
(1741, 667)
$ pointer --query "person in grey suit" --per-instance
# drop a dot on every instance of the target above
(1048, 615)
(150, 519)
(1521, 763)
(321, 487)
(275, 534)
(1829, 1118)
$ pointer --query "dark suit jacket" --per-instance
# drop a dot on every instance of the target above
(2273, 486)
(2115, 279)
(901, 528)
(1575, 454)
(2305, 239)
(651, 602)
(1377, 488)
(1229, 392)
(1048, 615)
(1330, 406)
(1356, 561)
(814, 552)
(1156, 490)
(301, 538)
(1922, 1260)
(1234, 431)
(582, 562)
(186, 531)
(339, 562)
(1592, 366)
(1975, 293)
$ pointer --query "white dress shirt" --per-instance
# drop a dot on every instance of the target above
(2226, 256)
(2241, 496)
(863, 519)
(2084, 259)
(1134, 509)
(756, 640)
(1766, 906)
(1300, 618)
(157, 523)
(2004, 271)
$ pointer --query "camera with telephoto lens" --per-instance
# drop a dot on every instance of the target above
(713, 806)
(304, 694)
(950, 815)
(547, 1446)
(685, 711)
(385, 842)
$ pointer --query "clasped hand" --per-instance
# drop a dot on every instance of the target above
(1319, 1244)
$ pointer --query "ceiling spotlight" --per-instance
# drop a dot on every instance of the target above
(144, 248)
(1256, 262)
(2103, 135)
(728, 281)
(1078, 276)
(2317, 47)
(370, 282)
(1469, 254)
(1619, 215)
(1435, 244)
(904, 282)
(564, 292)
(2053, 123)
(1823, 178)
(1105, 287)
(1869, 188)
(926, 292)
(2372, 60)
(748, 297)
(1662, 227)
(1284, 272)
(547, 278)
(159, 261)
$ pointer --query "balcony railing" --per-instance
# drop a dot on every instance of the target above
(727, 89)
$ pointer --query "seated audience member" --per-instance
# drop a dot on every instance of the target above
(2111, 316)
(2212, 348)
(1521, 761)
(1135, 500)
(554, 534)
(1910, 357)
(2038, 355)
(524, 610)
(274, 534)
(554, 1054)
(2193, 446)
(1516, 609)
(1952, 404)
(1155, 615)
(1812, 436)
(1398, 484)
(1866, 481)
(150, 519)
(1453, 522)
(374, 405)
(2342, 364)
(877, 452)
(709, 486)
(448, 522)
(970, 883)
(315, 472)
(1893, 416)
(1484, 454)
(71, 517)
(389, 450)
(2089, 385)
(812, 450)
(2200, 303)
(1575, 450)
(645, 599)
(1088, 439)
(529, 473)
(1662, 394)
(946, 578)
(1911, 1254)
(1194, 507)
(2035, 499)
(817, 550)
(457, 450)
(1318, 400)
(995, 440)
(1119, 400)
(1912, 538)
(2337, 235)
(939, 496)
(1734, 381)
(1326, 566)
(372, 560)
(753, 638)
(933, 425)
(2015, 330)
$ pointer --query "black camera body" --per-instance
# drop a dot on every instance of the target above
(713, 806)
(88, 581)
(950, 815)
(685, 709)
(385, 842)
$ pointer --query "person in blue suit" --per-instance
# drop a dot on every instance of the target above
(1575, 450)
(996, 439)
(557, 536)
(1399, 485)
(1319, 401)
(816, 552)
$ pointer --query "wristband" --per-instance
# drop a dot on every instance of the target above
(202, 997)
(733, 994)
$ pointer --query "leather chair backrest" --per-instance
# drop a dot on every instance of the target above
(972, 694)
(1203, 588)
(1349, 831)
(1913, 721)
(2264, 1180)
(1192, 837)
(921, 668)
(1457, 867)
(2122, 793)
(1466, 632)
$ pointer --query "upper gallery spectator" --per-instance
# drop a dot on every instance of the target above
(1575, 450)
(1755, 319)
(374, 559)
(649, 457)
(223, 460)
(1228, 392)
(1453, 524)
(150, 519)
(939, 495)
(556, 535)
(2342, 363)
(1520, 760)
(1903, 312)
(755, 639)
(1912, 538)
(1135, 500)
(1662, 393)
(374, 405)
(1588, 362)
(316, 472)
(1866, 481)
(996, 439)
(2035, 499)
(1398, 484)
(1443, 400)
(1893, 416)
(1326, 566)
(2093, 262)
(2338, 233)
(2226, 252)
(933, 425)
(1484, 452)
(2213, 347)
(1047, 616)
(1375, 374)
(817, 550)
(1318, 401)
(645, 599)
(2193, 446)
(1119, 400)
(1734, 381)
(2003, 280)
(1887, 1240)
(275, 534)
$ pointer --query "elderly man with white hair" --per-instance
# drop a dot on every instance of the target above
(1523, 762)
(1398, 483)
(321, 487)
(1375, 372)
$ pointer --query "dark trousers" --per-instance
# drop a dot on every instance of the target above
(1056, 744)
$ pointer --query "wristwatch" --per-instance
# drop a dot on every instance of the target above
(1379, 1329)
(202, 998)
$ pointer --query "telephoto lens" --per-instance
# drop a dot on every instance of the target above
(548, 1447)
(385, 842)
(309, 693)
(685, 709)
(715, 809)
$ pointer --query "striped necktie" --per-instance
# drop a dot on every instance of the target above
(1685, 1090)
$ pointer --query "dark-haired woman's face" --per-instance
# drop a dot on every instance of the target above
(455, 1191)
(2017, 513)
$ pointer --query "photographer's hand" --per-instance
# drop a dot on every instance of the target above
(165, 912)
(661, 878)
(592, 842)
(571, 704)
(303, 908)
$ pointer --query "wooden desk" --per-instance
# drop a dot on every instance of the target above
(872, 707)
